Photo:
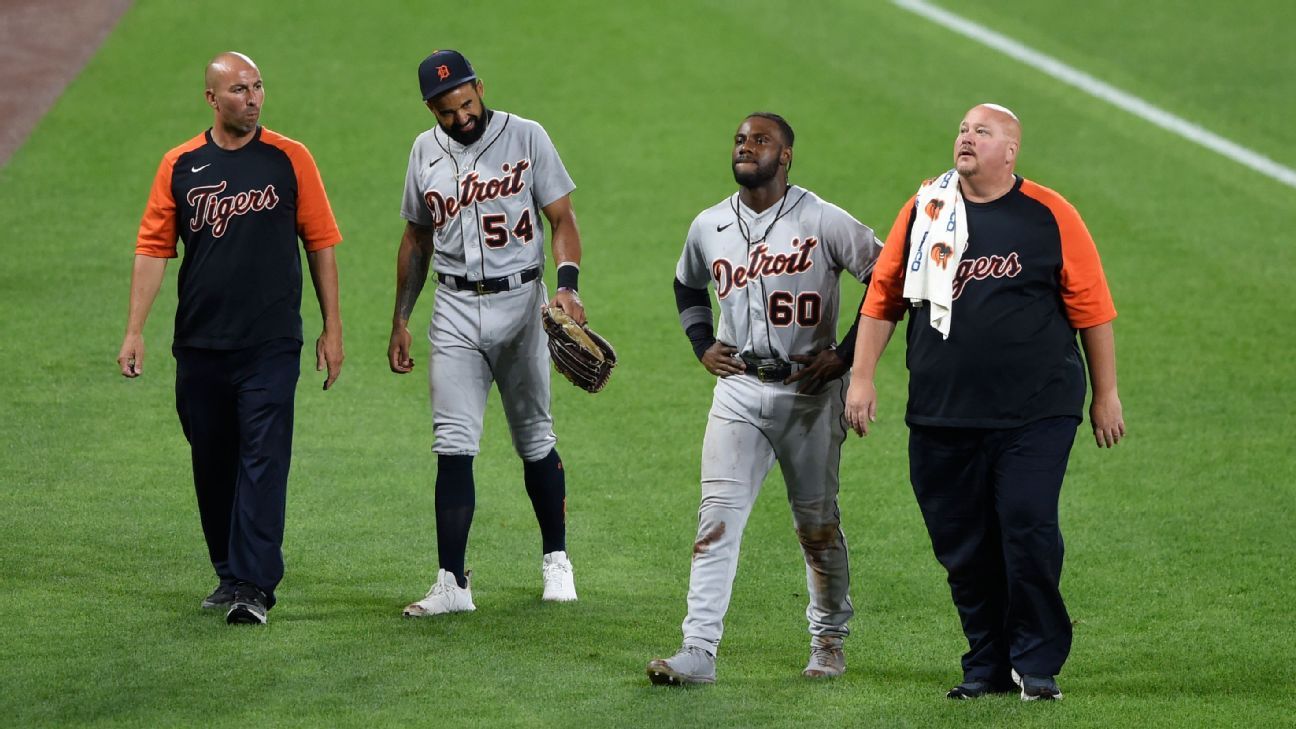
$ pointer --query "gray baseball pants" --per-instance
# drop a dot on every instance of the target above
(479, 339)
(751, 425)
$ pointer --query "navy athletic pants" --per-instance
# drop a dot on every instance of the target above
(990, 502)
(236, 408)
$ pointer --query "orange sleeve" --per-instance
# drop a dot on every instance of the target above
(316, 225)
(1084, 289)
(885, 297)
(157, 231)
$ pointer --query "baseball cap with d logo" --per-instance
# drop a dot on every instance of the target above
(442, 71)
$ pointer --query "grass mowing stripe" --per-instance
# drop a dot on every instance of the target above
(1104, 91)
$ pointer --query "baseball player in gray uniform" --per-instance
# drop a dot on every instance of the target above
(774, 253)
(477, 183)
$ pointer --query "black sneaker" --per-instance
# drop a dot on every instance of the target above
(977, 689)
(249, 606)
(1039, 688)
(222, 596)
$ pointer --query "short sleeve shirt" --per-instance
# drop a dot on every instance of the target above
(239, 214)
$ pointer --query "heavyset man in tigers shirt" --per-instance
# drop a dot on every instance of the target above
(997, 274)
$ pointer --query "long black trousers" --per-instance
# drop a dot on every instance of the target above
(990, 502)
(236, 408)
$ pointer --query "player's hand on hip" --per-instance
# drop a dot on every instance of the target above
(570, 302)
(861, 405)
(131, 357)
(398, 356)
(820, 369)
(722, 360)
(1108, 420)
(328, 353)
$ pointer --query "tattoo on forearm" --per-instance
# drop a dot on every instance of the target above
(412, 285)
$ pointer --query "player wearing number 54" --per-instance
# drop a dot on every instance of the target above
(476, 184)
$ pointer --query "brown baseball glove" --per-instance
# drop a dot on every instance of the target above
(581, 355)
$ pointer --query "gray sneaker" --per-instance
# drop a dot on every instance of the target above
(826, 661)
(692, 665)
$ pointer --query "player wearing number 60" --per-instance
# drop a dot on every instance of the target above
(475, 188)
(774, 252)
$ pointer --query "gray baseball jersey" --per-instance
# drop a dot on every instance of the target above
(484, 200)
(775, 272)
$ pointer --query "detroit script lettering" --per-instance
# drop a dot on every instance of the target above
(472, 190)
(761, 263)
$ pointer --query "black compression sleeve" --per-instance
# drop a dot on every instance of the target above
(687, 297)
(701, 337)
(694, 307)
(846, 348)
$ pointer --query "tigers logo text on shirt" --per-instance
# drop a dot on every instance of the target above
(210, 208)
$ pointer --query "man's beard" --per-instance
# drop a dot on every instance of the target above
(240, 127)
(757, 177)
(467, 138)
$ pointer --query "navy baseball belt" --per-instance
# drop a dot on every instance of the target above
(767, 369)
(490, 285)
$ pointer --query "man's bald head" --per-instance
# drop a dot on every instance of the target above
(225, 64)
(235, 92)
(1012, 125)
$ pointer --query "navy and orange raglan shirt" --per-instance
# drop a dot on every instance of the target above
(240, 213)
(1030, 277)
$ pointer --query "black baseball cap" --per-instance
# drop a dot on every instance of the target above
(442, 71)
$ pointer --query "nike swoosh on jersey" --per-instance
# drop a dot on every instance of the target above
(200, 169)
(433, 162)
(720, 228)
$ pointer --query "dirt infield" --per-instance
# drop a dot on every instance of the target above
(44, 44)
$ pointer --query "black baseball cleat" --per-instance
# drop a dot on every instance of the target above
(1039, 688)
(977, 689)
(221, 597)
(249, 606)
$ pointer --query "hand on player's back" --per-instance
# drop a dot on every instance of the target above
(819, 369)
(721, 360)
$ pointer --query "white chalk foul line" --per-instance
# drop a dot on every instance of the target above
(1102, 90)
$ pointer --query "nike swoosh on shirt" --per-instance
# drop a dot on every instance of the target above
(720, 228)
(433, 162)
(200, 169)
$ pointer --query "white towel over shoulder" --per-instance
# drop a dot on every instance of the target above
(936, 245)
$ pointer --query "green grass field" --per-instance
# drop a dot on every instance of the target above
(1179, 541)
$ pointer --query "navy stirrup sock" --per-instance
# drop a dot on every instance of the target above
(455, 501)
(547, 487)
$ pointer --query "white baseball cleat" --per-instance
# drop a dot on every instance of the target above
(445, 596)
(692, 665)
(559, 583)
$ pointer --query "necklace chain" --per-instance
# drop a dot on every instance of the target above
(745, 230)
